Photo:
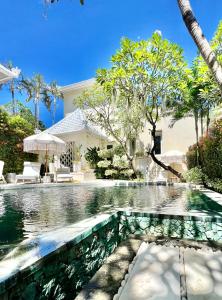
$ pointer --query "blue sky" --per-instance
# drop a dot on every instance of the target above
(68, 42)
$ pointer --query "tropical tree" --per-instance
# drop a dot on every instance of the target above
(13, 129)
(200, 40)
(36, 90)
(24, 112)
(55, 93)
(12, 87)
(197, 34)
(110, 111)
(149, 73)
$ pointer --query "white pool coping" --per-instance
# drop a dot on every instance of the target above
(33, 249)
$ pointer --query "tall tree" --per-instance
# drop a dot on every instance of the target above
(198, 37)
(55, 93)
(203, 45)
(148, 73)
(110, 111)
(12, 87)
(37, 92)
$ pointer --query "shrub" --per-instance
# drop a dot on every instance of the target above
(13, 129)
(194, 175)
(118, 150)
(113, 165)
(111, 173)
(210, 154)
(120, 162)
(104, 163)
(105, 153)
(127, 173)
(92, 157)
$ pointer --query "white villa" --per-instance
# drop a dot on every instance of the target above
(79, 134)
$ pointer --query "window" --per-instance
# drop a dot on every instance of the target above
(158, 139)
(109, 146)
(132, 147)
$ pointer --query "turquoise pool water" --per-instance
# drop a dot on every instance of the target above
(26, 213)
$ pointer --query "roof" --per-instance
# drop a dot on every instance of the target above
(77, 86)
(73, 123)
(6, 74)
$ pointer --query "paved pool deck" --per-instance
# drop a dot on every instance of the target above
(172, 273)
(171, 265)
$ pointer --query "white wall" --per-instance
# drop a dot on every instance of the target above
(179, 137)
(85, 140)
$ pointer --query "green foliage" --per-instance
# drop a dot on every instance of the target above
(112, 165)
(105, 153)
(145, 75)
(37, 91)
(13, 129)
(191, 157)
(24, 112)
(92, 156)
(118, 150)
(115, 166)
(111, 173)
(120, 162)
(194, 175)
(210, 148)
(104, 163)
(215, 184)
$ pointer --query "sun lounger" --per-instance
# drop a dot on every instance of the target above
(31, 172)
(2, 178)
(63, 174)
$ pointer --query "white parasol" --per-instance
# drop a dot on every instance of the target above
(44, 142)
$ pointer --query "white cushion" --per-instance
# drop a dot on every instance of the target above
(31, 168)
(1, 167)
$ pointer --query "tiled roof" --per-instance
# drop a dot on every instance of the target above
(75, 122)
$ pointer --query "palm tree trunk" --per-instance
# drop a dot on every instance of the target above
(208, 121)
(12, 89)
(54, 111)
(201, 122)
(35, 103)
(200, 40)
(197, 138)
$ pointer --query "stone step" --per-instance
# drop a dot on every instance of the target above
(203, 273)
(154, 274)
(168, 273)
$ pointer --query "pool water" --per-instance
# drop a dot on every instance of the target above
(26, 213)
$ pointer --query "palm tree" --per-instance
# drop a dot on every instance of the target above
(55, 92)
(204, 47)
(36, 90)
(12, 86)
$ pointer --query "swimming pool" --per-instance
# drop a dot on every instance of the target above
(26, 213)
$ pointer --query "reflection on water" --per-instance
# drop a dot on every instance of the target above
(200, 202)
(25, 213)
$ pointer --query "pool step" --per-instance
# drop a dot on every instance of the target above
(203, 272)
